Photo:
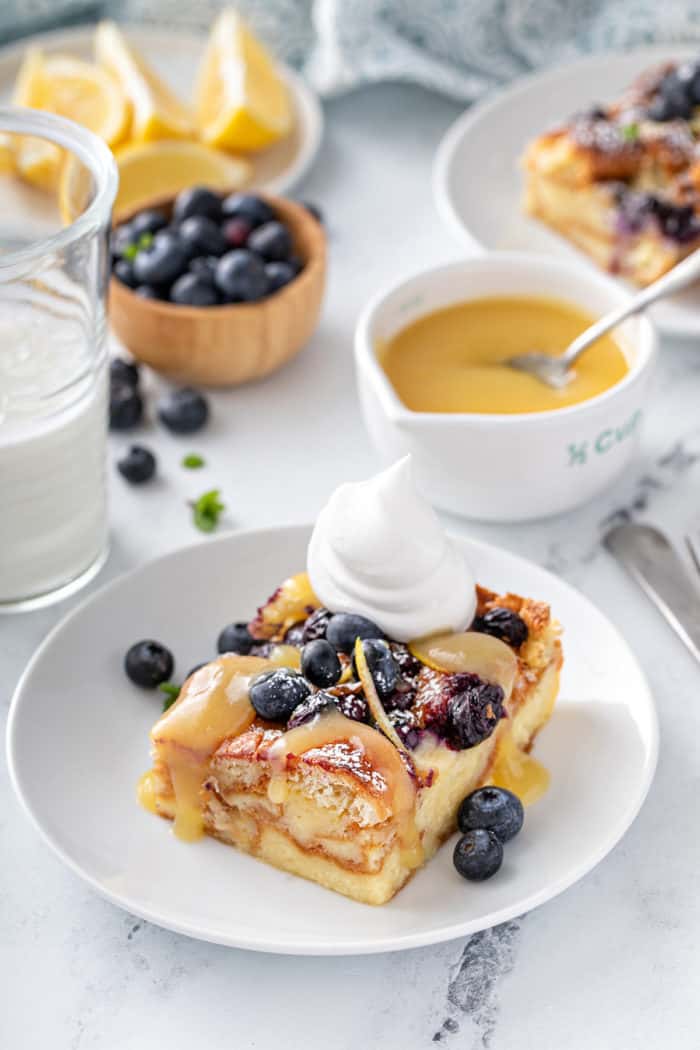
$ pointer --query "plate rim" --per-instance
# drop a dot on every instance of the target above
(482, 109)
(305, 97)
(400, 942)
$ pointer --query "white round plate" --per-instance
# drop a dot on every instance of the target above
(176, 57)
(78, 741)
(477, 180)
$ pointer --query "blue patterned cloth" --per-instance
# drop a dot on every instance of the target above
(462, 48)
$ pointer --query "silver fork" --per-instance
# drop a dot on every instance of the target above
(557, 371)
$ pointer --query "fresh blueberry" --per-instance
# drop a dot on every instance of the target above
(197, 200)
(474, 709)
(235, 638)
(504, 624)
(204, 235)
(275, 694)
(344, 629)
(247, 206)
(493, 808)
(137, 465)
(123, 270)
(315, 626)
(191, 290)
(125, 406)
(163, 261)
(237, 231)
(272, 241)
(240, 276)
(478, 855)
(672, 100)
(689, 77)
(204, 266)
(149, 221)
(381, 664)
(320, 663)
(314, 705)
(183, 411)
(149, 663)
(120, 240)
(278, 274)
(147, 291)
(296, 264)
(121, 371)
(313, 209)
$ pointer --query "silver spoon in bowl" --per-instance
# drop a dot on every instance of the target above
(556, 371)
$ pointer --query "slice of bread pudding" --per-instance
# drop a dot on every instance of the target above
(354, 792)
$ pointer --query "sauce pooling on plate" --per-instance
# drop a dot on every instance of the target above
(453, 360)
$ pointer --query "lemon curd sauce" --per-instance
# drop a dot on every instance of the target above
(453, 360)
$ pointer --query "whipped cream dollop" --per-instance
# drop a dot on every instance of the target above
(378, 549)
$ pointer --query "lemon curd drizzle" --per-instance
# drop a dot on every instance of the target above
(453, 360)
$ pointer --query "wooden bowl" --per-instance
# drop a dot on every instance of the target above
(226, 345)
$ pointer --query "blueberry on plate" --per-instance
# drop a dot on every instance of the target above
(478, 855)
(235, 638)
(320, 663)
(123, 270)
(275, 694)
(122, 371)
(125, 406)
(494, 808)
(316, 704)
(137, 465)
(247, 206)
(149, 663)
(204, 266)
(272, 241)
(163, 260)
(344, 628)
(192, 290)
(204, 235)
(237, 231)
(147, 291)
(278, 274)
(381, 665)
(183, 411)
(504, 624)
(197, 200)
(149, 221)
(240, 276)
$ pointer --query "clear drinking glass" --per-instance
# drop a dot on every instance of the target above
(57, 187)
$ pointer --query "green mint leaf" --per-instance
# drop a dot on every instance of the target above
(171, 691)
(207, 510)
(144, 241)
(630, 132)
(193, 461)
(130, 252)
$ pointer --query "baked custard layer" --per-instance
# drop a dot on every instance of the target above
(334, 800)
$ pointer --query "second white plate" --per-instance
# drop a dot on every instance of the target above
(477, 181)
(78, 741)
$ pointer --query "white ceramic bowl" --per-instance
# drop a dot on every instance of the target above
(506, 467)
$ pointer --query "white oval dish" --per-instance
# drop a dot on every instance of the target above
(478, 183)
(176, 56)
(505, 467)
(78, 741)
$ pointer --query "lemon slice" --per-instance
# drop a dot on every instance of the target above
(70, 88)
(156, 112)
(242, 102)
(155, 168)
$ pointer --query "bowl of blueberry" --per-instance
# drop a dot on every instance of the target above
(217, 289)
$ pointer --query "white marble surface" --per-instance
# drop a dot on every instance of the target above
(611, 963)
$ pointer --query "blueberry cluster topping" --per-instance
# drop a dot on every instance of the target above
(211, 251)
(636, 209)
(474, 709)
(677, 93)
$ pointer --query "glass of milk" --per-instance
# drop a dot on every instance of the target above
(57, 187)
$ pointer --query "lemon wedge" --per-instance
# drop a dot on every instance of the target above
(70, 88)
(242, 101)
(155, 168)
(156, 112)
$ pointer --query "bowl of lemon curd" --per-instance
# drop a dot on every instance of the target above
(489, 442)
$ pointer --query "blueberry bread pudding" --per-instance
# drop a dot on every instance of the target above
(338, 749)
(622, 181)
